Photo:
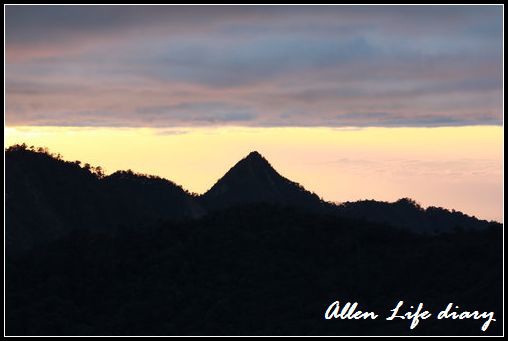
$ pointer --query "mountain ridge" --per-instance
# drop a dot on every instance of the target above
(86, 252)
(62, 196)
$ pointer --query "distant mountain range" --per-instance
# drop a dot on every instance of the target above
(47, 197)
(133, 254)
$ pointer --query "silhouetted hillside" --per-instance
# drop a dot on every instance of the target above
(140, 198)
(252, 270)
(406, 213)
(132, 254)
(47, 197)
(253, 180)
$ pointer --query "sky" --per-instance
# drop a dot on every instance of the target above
(353, 102)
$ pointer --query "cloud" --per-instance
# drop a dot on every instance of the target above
(254, 65)
(196, 112)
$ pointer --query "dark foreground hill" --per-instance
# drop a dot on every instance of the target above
(256, 270)
(48, 198)
(131, 254)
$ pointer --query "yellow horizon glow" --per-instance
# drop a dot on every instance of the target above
(454, 167)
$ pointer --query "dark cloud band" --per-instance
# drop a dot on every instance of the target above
(254, 65)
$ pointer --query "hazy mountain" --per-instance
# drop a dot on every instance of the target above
(253, 180)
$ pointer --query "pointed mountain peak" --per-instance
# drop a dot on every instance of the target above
(254, 180)
(254, 159)
(255, 156)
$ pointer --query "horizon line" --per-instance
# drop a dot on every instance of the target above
(57, 156)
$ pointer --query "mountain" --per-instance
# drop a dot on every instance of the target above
(140, 198)
(253, 180)
(406, 213)
(133, 254)
(48, 198)
(254, 270)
